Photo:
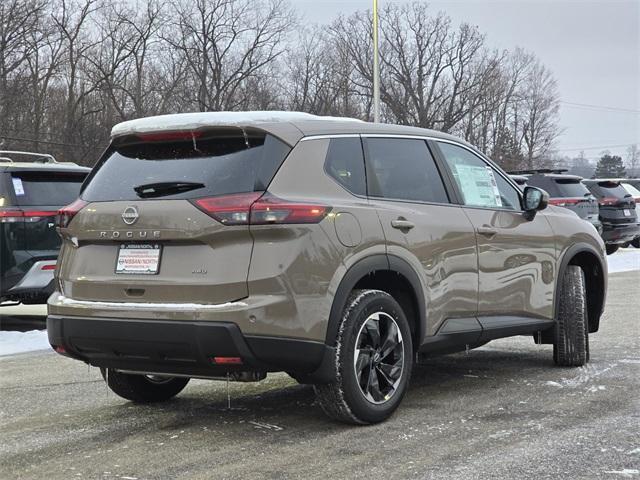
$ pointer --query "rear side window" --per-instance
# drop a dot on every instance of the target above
(345, 164)
(403, 169)
(222, 163)
(571, 188)
(46, 188)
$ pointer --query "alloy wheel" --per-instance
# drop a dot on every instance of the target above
(379, 357)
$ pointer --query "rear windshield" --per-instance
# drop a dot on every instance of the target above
(571, 188)
(46, 188)
(610, 189)
(223, 164)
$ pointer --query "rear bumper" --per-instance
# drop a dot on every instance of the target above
(616, 234)
(184, 347)
(36, 285)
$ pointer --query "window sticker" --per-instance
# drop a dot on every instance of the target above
(478, 185)
(17, 186)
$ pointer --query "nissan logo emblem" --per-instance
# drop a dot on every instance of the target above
(130, 215)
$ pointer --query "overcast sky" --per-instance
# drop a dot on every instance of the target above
(592, 47)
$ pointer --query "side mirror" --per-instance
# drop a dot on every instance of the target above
(534, 199)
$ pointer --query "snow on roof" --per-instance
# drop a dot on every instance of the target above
(189, 121)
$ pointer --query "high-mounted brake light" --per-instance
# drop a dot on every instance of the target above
(66, 214)
(168, 136)
(258, 208)
(227, 360)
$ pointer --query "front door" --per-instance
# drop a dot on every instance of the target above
(516, 255)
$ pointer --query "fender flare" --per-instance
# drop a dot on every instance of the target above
(367, 266)
(571, 252)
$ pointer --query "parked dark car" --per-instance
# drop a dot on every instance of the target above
(565, 191)
(617, 212)
(31, 192)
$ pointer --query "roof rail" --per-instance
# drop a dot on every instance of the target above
(39, 157)
(538, 170)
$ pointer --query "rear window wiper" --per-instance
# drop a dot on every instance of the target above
(161, 189)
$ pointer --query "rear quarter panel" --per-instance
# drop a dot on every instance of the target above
(303, 265)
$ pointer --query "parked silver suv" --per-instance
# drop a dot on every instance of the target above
(213, 245)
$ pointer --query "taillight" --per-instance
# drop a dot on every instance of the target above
(564, 202)
(229, 209)
(608, 201)
(10, 216)
(66, 214)
(259, 208)
(273, 210)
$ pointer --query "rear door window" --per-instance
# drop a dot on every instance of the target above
(403, 169)
(345, 164)
(222, 163)
(46, 187)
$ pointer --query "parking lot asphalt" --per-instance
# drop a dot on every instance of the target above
(502, 411)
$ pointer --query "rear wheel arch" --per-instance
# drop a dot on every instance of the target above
(390, 274)
(588, 259)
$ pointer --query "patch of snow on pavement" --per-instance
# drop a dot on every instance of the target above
(20, 342)
(624, 260)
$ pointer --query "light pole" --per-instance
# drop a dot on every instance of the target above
(376, 66)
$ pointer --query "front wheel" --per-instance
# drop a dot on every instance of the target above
(143, 388)
(571, 342)
(373, 360)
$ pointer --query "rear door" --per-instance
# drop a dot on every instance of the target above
(516, 256)
(167, 218)
(422, 227)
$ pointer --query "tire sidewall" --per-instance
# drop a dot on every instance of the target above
(368, 303)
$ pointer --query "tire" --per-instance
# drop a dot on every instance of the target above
(571, 338)
(611, 249)
(383, 385)
(143, 388)
(636, 242)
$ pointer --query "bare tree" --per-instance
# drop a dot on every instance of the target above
(225, 43)
(18, 21)
(633, 161)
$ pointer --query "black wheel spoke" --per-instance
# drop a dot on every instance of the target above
(390, 341)
(373, 329)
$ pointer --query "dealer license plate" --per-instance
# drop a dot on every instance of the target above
(139, 259)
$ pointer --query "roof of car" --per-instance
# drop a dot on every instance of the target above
(288, 126)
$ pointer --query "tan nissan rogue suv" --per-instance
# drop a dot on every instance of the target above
(229, 245)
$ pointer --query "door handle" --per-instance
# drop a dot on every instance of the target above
(402, 224)
(486, 231)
